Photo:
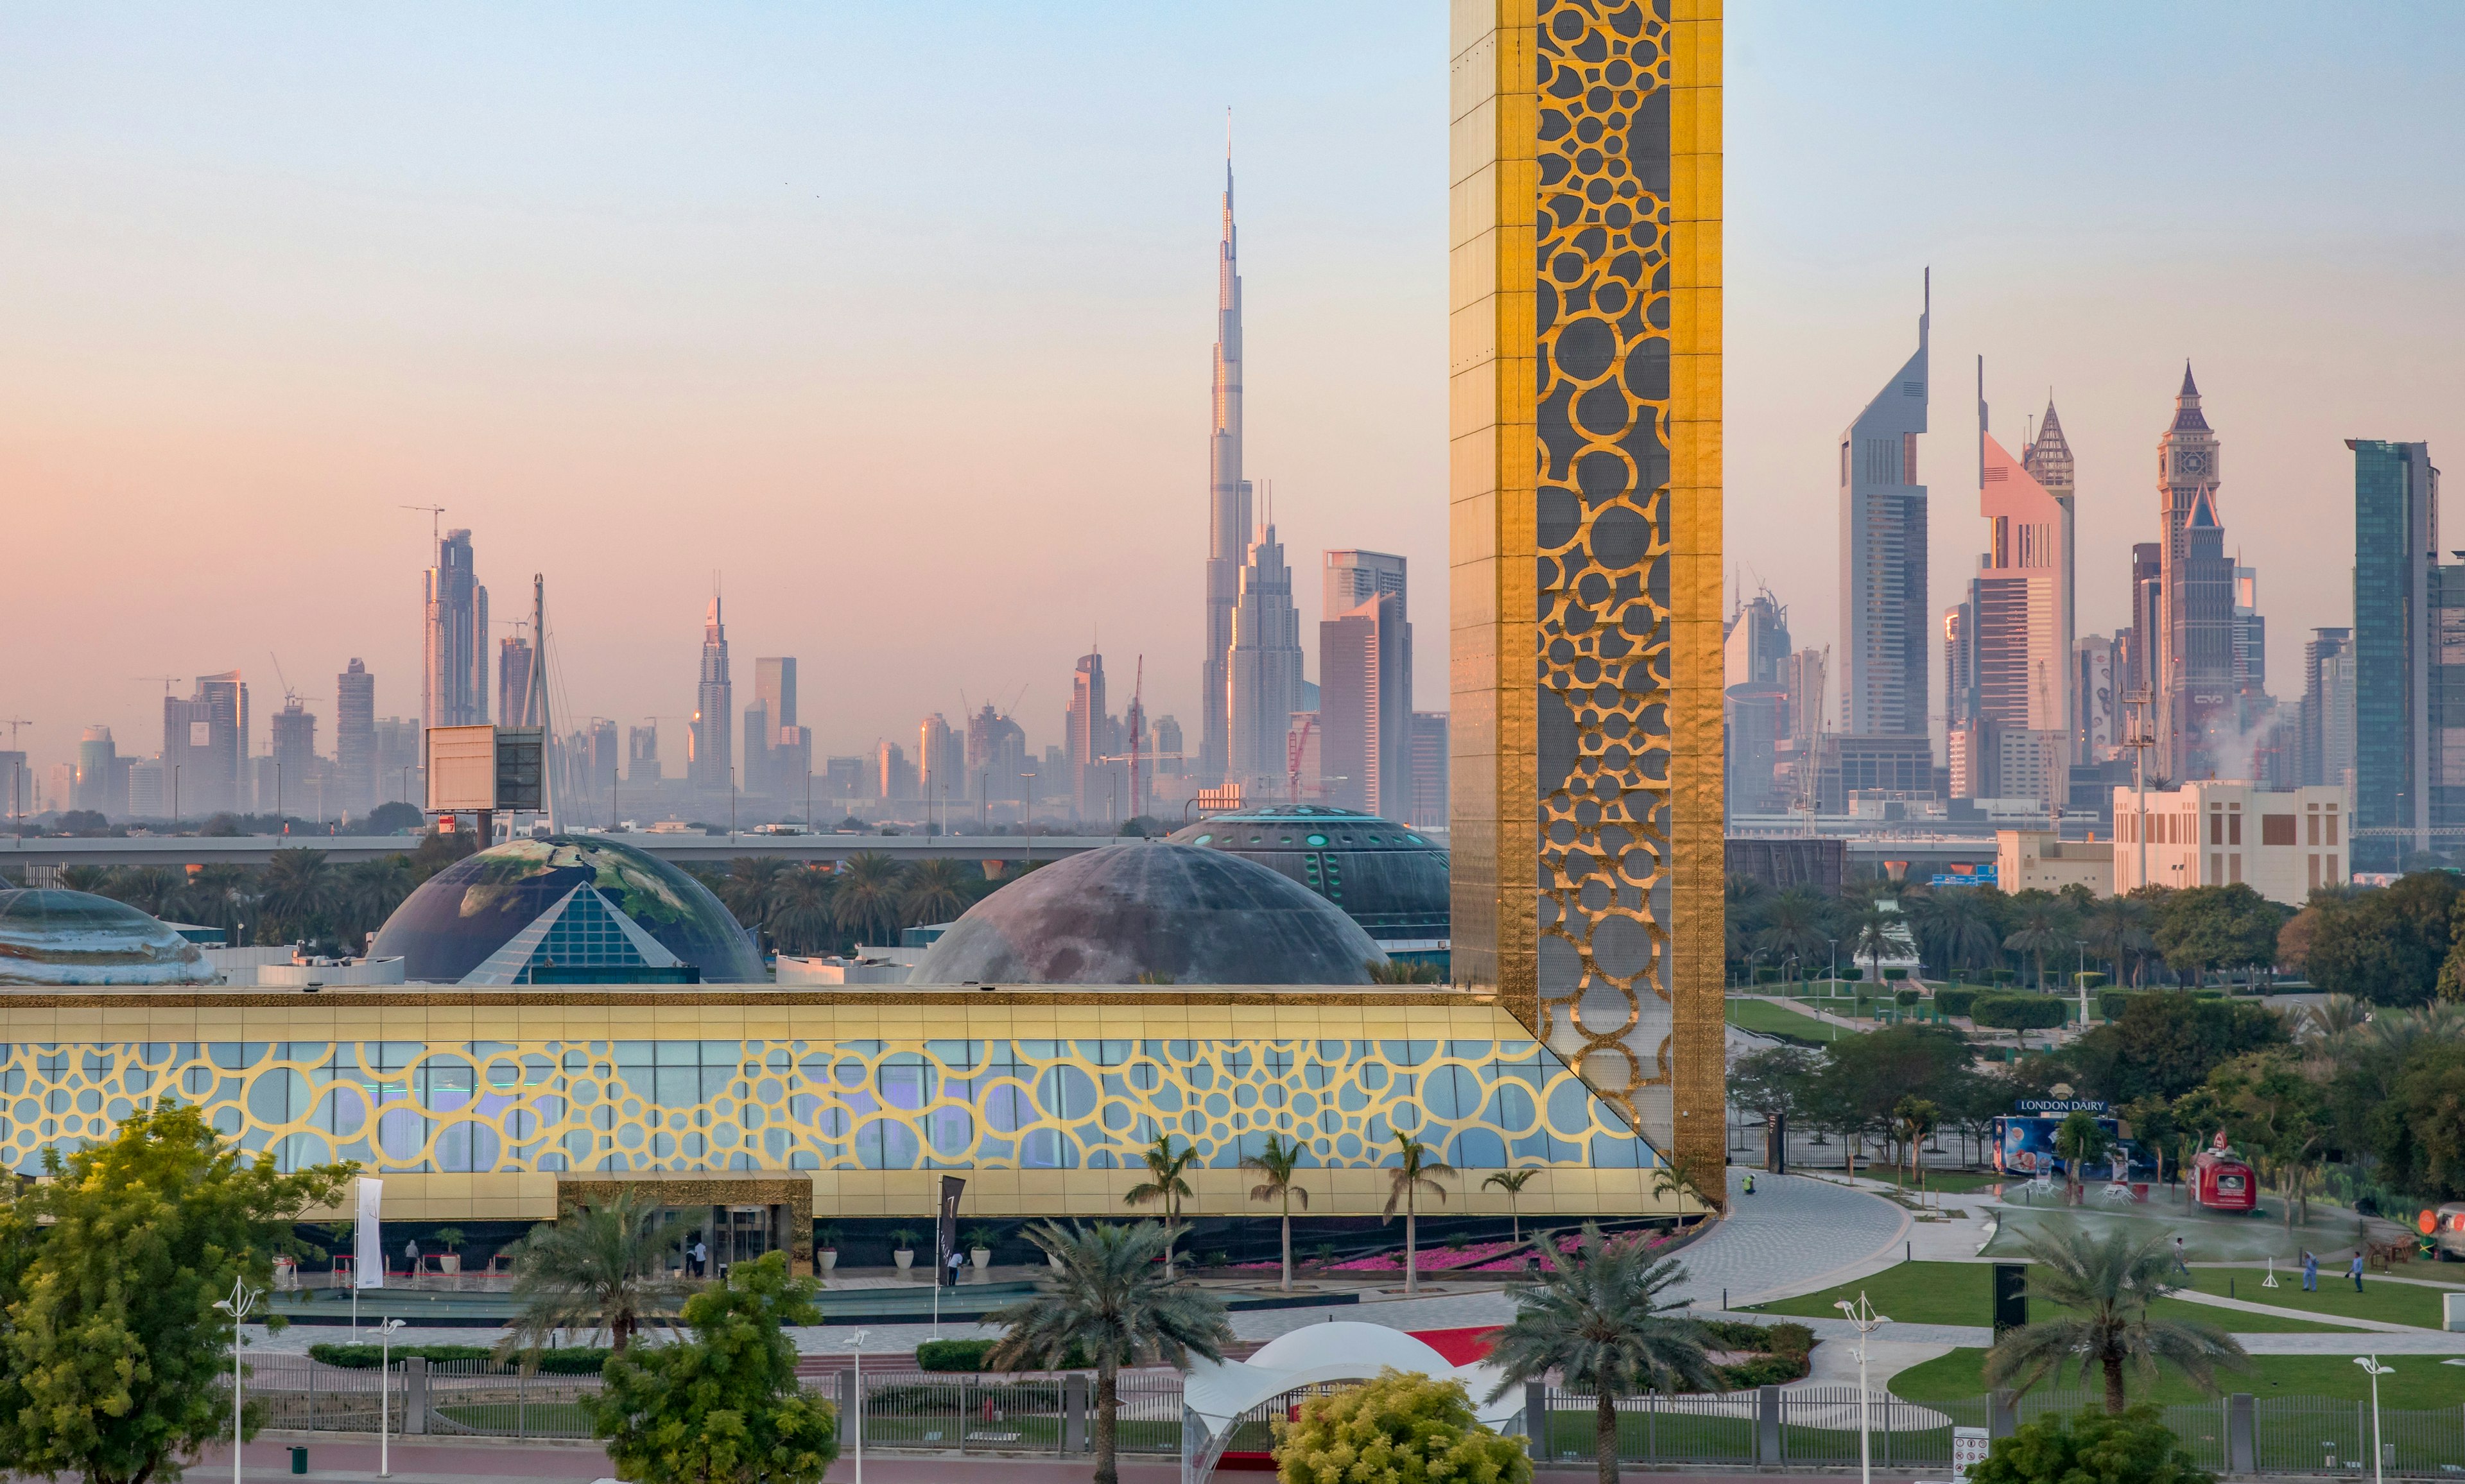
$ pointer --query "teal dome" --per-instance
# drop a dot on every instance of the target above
(565, 909)
(50, 937)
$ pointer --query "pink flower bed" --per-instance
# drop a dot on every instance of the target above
(1474, 1258)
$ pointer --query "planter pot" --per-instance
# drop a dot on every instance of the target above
(904, 1258)
(830, 1260)
(449, 1262)
(981, 1257)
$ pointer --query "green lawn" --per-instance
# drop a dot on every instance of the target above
(2390, 1303)
(1771, 1019)
(2420, 1383)
(1962, 1292)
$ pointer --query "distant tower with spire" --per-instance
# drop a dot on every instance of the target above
(1229, 529)
(2193, 679)
(711, 761)
(2048, 460)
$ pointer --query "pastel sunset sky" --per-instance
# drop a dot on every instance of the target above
(896, 320)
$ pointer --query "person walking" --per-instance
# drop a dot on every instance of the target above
(2356, 1271)
(2180, 1260)
(410, 1257)
(1750, 1181)
(2310, 1270)
(958, 1260)
(702, 1258)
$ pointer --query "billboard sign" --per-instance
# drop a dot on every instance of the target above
(521, 770)
(461, 768)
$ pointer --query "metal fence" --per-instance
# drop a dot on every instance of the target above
(451, 1397)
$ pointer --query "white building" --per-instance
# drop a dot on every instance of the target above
(2217, 832)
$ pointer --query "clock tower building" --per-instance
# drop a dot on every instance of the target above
(2194, 689)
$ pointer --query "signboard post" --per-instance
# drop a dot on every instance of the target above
(1968, 1449)
(368, 1245)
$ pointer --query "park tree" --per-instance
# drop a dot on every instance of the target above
(114, 1364)
(2385, 946)
(726, 1405)
(2278, 1116)
(2099, 1291)
(2164, 1044)
(2418, 1130)
(1402, 1427)
(2201, 929)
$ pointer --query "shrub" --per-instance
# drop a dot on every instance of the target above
(1737, 1334)
(1396, 1427)
(1906, 998)
(1764, 1370)
(1792, 1339)
(577, 1361)
(2004, 976)
(968, 1355)
(2111, 1003)
(1853, 973)
(1955, 1001)
(2007, 1011)
(1896, 975)
(2136, 1448)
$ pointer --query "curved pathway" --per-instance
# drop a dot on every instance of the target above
(1793, 1235)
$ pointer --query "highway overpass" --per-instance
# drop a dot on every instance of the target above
(256, 849)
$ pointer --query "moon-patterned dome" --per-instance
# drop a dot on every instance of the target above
(1152, 912)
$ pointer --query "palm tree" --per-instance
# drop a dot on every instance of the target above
(1916, 1118)
(935, 890)
(216, 895)
(86, 878)
(300, 889)
(1165, 1184)
(2104, 1286)
(1793, 924)
(746, 890)
(369, 892)
(801, 917)
(1278, 1161)
(1595, 1317)
(148, 888)
(1954, 930)
(1868, 933)
(1414, 1175)
(1513, 1182)
(1105, 1296)
(2044, 924)
(867, 898)
(2118, 929)
(597, 1266)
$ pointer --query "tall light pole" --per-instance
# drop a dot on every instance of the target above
(242, 1300)
(2379, 1453)
(856, 1422)
(1866, 1321)
(1831, 948)
(385, 1397)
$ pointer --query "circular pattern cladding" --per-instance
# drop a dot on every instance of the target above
(1602, 533)
(460, 919)
(1152, 912)
(50, 937)
(1391, 879)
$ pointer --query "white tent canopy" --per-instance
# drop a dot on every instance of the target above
(1218, 1393)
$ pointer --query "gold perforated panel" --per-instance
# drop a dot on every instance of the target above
(1588, 915)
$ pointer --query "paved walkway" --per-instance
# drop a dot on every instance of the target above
(1793, 1235)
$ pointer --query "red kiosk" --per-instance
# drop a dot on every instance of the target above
(2221, 1180)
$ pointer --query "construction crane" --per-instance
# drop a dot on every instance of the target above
(15, 722)
(168, 681)
(435, 523)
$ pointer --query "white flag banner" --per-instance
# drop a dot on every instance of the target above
(368, 1259)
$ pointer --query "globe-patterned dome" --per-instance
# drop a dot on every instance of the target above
(1151, 913)
(565, 905)
(1388, 877)
(50, 937)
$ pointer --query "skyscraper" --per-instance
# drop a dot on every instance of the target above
(778, 753)
(941, 762)
(996, 756)
(205, 745)
(2327, 714)
(293, 736)
(101, 774)
(454, 671)
(1086, 731)
(1265, 666)
(355, 738)
(1227, 503)
(514, 696)
(709, 759)
(1364, 705)
(2395, 647)
(1429, 770)
(1754, 705)
(642, 754)
(2048, 459)
(1170, 763)
(2017, 718)
(2192, 656)
(1584, 544)
(1883, 608)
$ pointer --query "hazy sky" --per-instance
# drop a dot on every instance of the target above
(896, 319)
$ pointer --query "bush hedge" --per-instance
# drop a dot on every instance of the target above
(1955, 1001)
(581, 1360)
(2111, 1003)
(971, 1354)
(1784, 1349)
(2005, 1011)
(1906, 997)
(1853, 973)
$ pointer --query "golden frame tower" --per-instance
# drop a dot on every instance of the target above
(1585, 535)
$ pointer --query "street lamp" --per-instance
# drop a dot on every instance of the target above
(2379, 1456)
(855, 1422)
(243, 1299)
(384, 1396)
(1832, 949)
(1862, 1317)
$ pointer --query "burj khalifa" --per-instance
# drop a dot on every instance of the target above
(1227, 504)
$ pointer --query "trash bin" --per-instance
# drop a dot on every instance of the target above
(300, 1460)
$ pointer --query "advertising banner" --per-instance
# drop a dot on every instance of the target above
(368, 1255)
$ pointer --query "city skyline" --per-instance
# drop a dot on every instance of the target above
(143, 407)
